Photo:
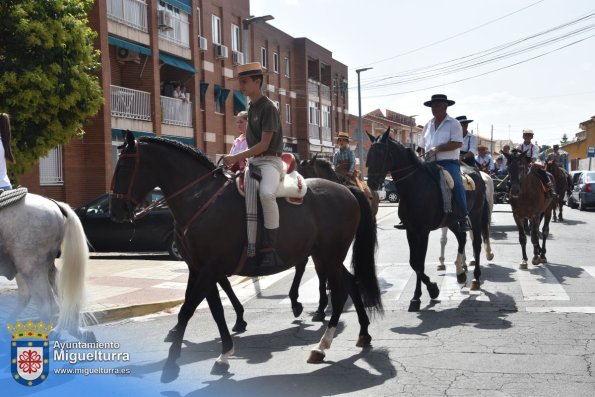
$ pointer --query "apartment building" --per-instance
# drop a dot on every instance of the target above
(150, 47)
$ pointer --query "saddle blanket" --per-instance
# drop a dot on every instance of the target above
(468, 183)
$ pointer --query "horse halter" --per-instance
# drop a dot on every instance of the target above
(388, 155)
(128, 195)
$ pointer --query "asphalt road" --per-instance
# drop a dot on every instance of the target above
(527, 333)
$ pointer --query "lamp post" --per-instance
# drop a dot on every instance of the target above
(411, 131)
(245, 26)
(359, 124)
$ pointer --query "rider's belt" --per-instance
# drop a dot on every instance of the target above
(269, 153)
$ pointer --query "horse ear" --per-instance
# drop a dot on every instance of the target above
(372, 137)
(386, 135)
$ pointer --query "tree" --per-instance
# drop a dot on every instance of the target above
(564, 139)
(48, 80)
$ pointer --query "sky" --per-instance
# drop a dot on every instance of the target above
(508, 64)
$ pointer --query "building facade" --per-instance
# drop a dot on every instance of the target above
(153, 50)
(578, 149)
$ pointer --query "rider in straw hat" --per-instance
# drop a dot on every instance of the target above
(532, 151)
(265, 146)
(344, 160)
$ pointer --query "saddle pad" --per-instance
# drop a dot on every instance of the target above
(12, 196)
(468, 183)
(292, 187)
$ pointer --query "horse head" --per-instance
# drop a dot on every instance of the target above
(518, 168)
(387, 155)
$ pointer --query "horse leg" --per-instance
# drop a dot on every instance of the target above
(227, 350)
(560, 207)
(323, 300)
(23, 297)
(476, 242)
(240, 325)
(364, 339)
(296, 306)
(462, 241)
(534, 224)
(338, 298)
(545, 231)
(485, 234)
(41, 292)
(443, 241)
(418, 245)
(520, 225)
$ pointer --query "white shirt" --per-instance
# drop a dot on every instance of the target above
(449, 130)
(533, 150)
(4, 181)
(469, 144)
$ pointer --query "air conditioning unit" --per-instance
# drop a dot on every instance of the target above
(126, 55)
(221, 51)
(164, 20)
(237, 57)
(202, 43)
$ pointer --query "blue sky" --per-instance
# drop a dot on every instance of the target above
(412, 47)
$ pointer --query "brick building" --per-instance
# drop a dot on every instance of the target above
(148, 47)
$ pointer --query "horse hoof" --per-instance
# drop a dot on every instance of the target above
(364, 341)
(543, 259)
(316, 357)
(433, 290)
(490, 256)
(462, 278)
(240, 326)
(220, 368)
(441, 267)
(474, 285)
(297, 309)
(536, 260)
(318, 316)
(471, 264)
(414, 305)
(173, 336)
(523, 265)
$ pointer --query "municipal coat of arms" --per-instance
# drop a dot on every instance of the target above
(29, 352)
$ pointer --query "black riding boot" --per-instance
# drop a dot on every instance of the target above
(269, 256)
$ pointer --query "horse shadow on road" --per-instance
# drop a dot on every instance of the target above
(563, 272)
(342, 377)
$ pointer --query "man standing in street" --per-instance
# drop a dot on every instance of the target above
(265, 146)
(469, 149)
(442, 139)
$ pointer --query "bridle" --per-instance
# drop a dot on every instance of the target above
(396, 171)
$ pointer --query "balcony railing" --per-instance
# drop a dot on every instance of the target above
(325, 92)
(180, 34)
(130, 104)
(176, 111)
(129, 12)
(312, 87)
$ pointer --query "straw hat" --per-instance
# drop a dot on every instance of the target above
(343, 135)
(248, 69)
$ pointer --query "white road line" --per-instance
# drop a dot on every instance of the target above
(308, 292)
(393, 279)
(451, 290)
(539, 284)
(590, 270)
(562, 309)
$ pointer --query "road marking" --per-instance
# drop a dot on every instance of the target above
(539, 284)
(562, 309)
(590, 270)
(308, 292)
(393, 279)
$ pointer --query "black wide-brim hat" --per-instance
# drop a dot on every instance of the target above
(463, 119)
(439, 98)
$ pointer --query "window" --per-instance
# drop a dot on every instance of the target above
(313, 114)
(50, 168)
(221, 94)
(275, 62)
(326, 116)
(235, 38)
(198, 22)
(263, 57)
(286, 67)
(216, 30)
(287, 113)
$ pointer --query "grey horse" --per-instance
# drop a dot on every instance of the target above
(33, 232)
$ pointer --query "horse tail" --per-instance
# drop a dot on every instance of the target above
(72, 276)
(363, 259)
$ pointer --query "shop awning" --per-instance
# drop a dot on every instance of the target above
(128, 45)
(176, 62)
(239, 101)
(184, 5)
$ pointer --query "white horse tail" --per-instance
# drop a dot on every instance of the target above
(72, 278)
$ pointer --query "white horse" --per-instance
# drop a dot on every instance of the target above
(33, 232)
(485, 234)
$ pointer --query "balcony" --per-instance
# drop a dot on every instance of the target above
(176, 111)
(130, 104)
(325, 92)
(179, 33)
(132, 13)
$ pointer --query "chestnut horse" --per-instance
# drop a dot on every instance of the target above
(210, 215)
(529, 203)
(561, 186)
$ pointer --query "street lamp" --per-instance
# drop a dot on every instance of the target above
(359, 124)
(411, 131)
(245, 26)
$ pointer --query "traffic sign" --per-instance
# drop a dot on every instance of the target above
(591, 151)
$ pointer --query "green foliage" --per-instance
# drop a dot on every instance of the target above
(48, 74)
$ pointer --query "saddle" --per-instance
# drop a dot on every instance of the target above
(468, 183)
(292, 185)
(10, 197)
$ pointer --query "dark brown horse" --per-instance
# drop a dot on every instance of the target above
(210, 226)
(423, 212)
(529, 203)
(561, 186)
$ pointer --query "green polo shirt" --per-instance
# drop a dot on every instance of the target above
(264, 116)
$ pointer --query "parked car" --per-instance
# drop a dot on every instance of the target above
(391, 191)
(583, 193)
(152, 233)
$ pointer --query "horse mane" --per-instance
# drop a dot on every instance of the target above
(192, 151)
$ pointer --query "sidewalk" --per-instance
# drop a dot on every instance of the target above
(121, 286)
